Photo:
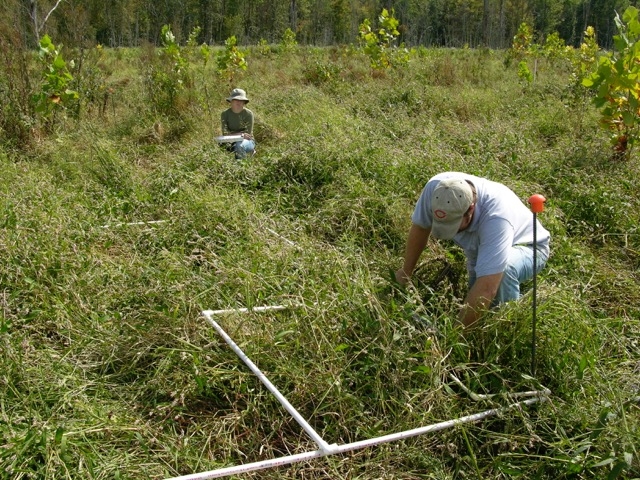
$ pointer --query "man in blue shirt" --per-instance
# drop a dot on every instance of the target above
(493, 227)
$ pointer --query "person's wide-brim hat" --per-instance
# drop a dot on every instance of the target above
(238, 94)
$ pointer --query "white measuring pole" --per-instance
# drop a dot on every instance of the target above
(324, 446)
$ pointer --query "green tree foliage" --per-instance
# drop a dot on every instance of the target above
(521, 48)
(617, 86)
(450, 23)
(231, 60)
(341, 20)
(288, 42)
(379, 43)
(168, 76)
(54, 94)
(525, 50)
(583, 64)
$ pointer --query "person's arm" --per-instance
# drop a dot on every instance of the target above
(247, 132)
(479, 299)
(416, 242)
(250, 129)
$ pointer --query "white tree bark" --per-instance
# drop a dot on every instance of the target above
(33, 13)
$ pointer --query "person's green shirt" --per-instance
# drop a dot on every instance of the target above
(237, 122)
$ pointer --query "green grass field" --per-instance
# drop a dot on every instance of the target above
(108, 370)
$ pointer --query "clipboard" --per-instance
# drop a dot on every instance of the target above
(229, 138)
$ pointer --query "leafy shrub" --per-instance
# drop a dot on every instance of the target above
(378, 44)
(615, 83)
(168, 76)
(523, 50)
(231, 60)
(55, 94)
(90, 79)
(584, 62)
(288, 42)
(318, 73)
(264, 48)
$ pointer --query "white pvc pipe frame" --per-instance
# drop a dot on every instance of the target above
(324, 448)
(152, 222)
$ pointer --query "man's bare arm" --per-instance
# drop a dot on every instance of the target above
(479, 298)
(416, 242)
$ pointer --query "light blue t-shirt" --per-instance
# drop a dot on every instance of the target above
(500, 221)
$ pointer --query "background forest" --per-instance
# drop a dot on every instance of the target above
(442, 23)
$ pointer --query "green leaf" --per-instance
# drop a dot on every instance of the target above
(422, 369)
(620, 42)
(45, 42)
(604, 462)
(582, 365)
(630, 14)
(509, 470)
(603, 419)
(616, 470)
(573, 468)
(628, 118)
(284, 333)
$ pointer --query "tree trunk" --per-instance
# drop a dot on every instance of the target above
(486, 37)
(33, 15)
(293, 15)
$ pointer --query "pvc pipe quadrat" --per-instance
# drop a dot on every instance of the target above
(477, 397)
(152, 222)
(283, 401)
(326, 449)
(286, 240)
(277, 462)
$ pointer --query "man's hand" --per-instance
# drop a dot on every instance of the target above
(401, 277)
(479, 299)
(416, 241)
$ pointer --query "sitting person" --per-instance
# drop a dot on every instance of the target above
(238, 120)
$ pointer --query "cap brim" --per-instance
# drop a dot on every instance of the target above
(446, 231)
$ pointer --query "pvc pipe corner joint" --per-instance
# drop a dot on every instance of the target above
(330, 449)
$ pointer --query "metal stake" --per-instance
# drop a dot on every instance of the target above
(537, 206)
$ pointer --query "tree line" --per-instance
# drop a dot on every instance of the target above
(430, 23)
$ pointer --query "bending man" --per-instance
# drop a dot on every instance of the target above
(493, 227)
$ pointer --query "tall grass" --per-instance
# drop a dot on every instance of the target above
(109, 371)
